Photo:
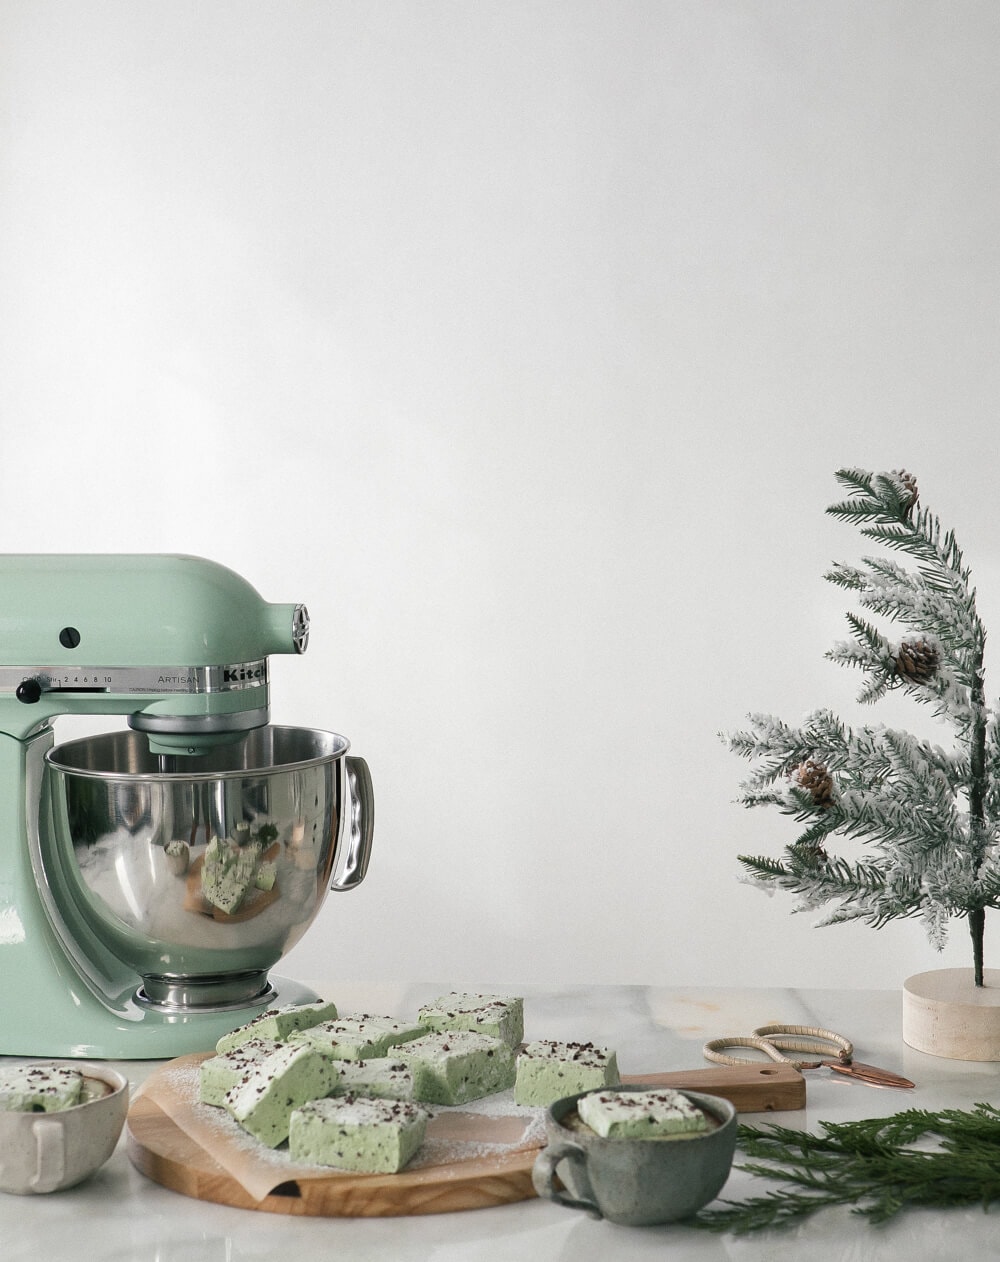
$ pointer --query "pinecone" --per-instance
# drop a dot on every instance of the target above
(810, 855)
(918, 660)
(909, 484)
(816, 780)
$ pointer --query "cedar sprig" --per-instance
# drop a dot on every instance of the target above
(868, 1165)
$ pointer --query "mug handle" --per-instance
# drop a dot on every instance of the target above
(51, 1155)
(544, 1172)
(361, 825)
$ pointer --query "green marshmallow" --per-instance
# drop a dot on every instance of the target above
(278, 1023)
(265, 876)
(269, 1091)
(496, 1015)
(39, 1088)
(385, 1078)
(549, 1071)
(220, 1073)
(358, 1037)
(228, 872)
(357, 1133)
(456, 1066)
(662, 1114)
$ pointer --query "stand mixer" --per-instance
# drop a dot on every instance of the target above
(150, 877)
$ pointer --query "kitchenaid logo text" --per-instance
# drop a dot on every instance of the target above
(255, 672)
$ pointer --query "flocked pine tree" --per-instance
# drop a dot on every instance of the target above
(925, 819)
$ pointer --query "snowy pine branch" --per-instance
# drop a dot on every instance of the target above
(887, 589)
(915, 828)
(886, 502)
(929, 818)
(860, 890)
(992, 795)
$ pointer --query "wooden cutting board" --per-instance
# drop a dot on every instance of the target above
(498, 1171)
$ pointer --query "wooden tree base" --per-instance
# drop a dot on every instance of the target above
(946, 1014)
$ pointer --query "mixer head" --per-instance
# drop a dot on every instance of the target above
(177, 643)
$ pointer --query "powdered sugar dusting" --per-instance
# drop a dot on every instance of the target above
(493, 1128)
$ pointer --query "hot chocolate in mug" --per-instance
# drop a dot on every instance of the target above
(638, 1182)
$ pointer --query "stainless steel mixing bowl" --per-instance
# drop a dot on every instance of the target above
(199, 873)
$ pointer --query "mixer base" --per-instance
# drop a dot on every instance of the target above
(132, 1030)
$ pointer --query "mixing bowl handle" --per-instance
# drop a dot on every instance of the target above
(361, 825)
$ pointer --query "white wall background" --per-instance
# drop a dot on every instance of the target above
(520, 341)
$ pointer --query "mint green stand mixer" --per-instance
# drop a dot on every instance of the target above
(150, 877)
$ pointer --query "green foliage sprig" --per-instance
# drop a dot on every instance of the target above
(929, 817)
(868, 1165)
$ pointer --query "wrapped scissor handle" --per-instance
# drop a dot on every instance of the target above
(775, 1040)
(714, 1050)
(807, 1038)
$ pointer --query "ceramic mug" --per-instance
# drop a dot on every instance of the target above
(635, 1181)
(43, 1152)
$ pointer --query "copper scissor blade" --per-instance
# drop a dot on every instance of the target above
(868, 1073)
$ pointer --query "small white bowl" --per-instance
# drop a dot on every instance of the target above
(44, 1152)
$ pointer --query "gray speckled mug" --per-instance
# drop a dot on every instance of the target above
(638, 1182)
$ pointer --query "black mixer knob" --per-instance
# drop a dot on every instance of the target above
(29, 691)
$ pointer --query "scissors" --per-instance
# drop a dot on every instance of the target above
(775, 1040)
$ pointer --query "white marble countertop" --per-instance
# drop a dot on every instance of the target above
(120, 1216)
